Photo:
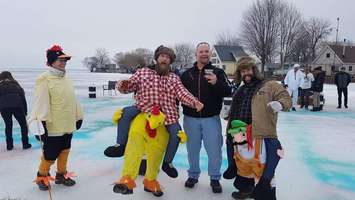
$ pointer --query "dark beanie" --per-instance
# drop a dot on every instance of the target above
(54, 53)
(164, 50)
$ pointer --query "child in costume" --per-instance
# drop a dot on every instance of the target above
(57, 108)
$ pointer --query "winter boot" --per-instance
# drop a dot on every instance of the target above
(242, 195)
(230, 173)
(43, 181)
(9, 144)
(169, 169)
(26, 146)
(124, 186)
(216, 186)
(115, 151)
(64, 179)
(190, 182)
(153, 187)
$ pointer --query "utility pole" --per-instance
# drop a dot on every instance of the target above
(336, 43)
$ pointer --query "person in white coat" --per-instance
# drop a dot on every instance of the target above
(292, 83)
(306, 84)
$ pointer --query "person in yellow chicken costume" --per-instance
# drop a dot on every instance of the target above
(147, 136)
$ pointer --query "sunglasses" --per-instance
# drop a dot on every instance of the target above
(62, 60)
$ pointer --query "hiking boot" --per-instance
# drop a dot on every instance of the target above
(216, 186)
(169, 169)
(61, 179)
(9, 147)
(293, 109)
(190, 182)
(339, 107)
(115, 151)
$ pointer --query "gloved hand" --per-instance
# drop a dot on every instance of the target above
(183, 137)
(78, 124)
(262, 189)
(286, 86)
(275, 105)
(299, 88)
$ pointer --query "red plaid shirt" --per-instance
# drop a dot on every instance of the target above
(153, 89)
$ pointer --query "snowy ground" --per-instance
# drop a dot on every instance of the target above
(319, 163)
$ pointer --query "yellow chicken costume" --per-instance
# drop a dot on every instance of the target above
(147, 136)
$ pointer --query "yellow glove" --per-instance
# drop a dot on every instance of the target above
(183, 137)
(117, 116)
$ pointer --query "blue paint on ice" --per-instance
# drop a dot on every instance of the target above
(340, 174)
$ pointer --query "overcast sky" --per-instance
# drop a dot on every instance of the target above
(29, 27)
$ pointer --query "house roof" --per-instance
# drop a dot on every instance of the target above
(229, 53)
(349, 56)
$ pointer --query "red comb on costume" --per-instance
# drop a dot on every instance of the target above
(155, 110)
(55, 48)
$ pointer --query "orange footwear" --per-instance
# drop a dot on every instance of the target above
(153, 187)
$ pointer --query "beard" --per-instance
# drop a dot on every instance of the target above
(162, 68)
(250, 77)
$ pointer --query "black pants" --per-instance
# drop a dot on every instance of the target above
(54, 145)
(19, 114)
(304, 97)
(345, 92)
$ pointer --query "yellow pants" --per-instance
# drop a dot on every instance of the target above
(139, 143)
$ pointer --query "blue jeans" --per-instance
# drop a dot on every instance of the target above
(129, 113)
(208, 130)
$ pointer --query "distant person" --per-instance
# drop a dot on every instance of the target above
(292, 83)
(342, 80)
(13, 103)
(306, 85)
(317, 87)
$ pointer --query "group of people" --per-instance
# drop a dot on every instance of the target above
(302, 83)
(253, 155)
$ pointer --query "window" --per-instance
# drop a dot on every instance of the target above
(214, 60)
(350, 68)
(328, 55)
(224, 67)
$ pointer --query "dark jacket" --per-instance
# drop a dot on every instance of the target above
(342, 79)
(317, 84)
(12, 95)
(210, 95)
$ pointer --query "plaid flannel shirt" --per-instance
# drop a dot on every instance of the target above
(153, 89)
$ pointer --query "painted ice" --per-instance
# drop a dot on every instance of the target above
(319, 162)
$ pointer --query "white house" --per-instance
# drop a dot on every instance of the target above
(332, 57)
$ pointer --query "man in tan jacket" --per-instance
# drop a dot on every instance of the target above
(257, 103)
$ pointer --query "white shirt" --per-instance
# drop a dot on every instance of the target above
(306, 81)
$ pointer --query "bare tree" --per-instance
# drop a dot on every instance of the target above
(290, 22)
(102, 56)
(227, 38)
(260, 27)
(135, 59)
(184, 54)
(317, 29)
